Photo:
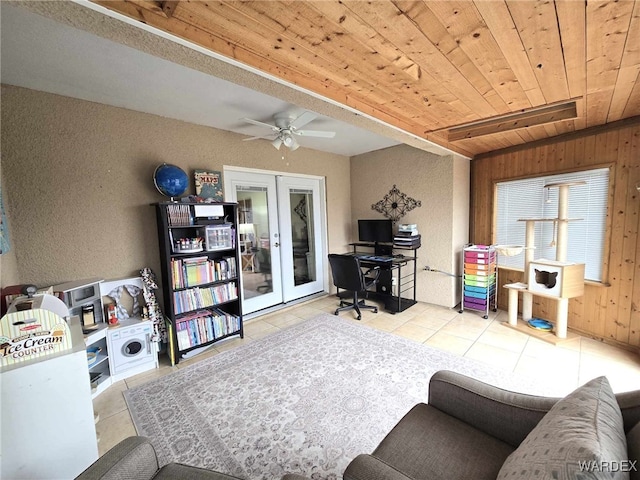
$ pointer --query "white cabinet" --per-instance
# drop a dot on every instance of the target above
(48, 428)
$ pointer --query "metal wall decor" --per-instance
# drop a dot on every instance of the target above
(396, 204)
(301, 209)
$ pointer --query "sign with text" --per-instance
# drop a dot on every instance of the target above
(31, 334)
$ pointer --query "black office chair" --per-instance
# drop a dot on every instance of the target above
(348, 275)
(263, 260)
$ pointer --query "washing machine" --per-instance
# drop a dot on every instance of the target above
(130, 348)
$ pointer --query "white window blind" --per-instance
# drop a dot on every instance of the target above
(527, 198)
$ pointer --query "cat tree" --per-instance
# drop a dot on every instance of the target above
(556, 279)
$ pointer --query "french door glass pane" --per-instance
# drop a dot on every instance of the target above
(302, 234)
(254, 235)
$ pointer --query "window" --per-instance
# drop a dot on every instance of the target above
(527, 198)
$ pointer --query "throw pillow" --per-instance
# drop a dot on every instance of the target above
(581, 437)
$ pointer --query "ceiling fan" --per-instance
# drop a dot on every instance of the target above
(286, 128)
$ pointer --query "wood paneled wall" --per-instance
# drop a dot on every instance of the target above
(609, 311)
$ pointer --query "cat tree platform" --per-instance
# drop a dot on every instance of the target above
(567, 283)
(548, 337)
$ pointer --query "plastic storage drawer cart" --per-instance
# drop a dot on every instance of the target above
(479, 279)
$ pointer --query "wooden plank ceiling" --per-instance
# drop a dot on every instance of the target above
(429, 66)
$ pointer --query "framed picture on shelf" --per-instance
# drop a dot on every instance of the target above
(208, 184)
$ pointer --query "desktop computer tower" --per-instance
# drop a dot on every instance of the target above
(384, 284)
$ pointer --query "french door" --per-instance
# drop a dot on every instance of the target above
(281, 232)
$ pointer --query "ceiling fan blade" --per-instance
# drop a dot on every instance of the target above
(253, 138)
(314, 133)
(302, 120)
(262, 124)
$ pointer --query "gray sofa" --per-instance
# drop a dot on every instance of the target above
(471, 430)
(468, 430)
(134, 458)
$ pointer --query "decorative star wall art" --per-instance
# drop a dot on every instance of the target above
(301, 209)
(396, 204)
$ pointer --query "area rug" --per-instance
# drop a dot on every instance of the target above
(304, 400)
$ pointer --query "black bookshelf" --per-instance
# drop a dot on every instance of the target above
(200, 267)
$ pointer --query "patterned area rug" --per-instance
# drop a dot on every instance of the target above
(304, 400)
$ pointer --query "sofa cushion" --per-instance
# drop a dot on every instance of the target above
(428, 443)
(584, 428)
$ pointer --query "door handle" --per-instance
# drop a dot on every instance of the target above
(276, 244)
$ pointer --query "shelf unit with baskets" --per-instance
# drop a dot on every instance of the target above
(200, 262)
(479, 278)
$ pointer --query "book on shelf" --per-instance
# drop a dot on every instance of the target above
(191, 272)
(197, 298)
(205, 326)
(171, 349)
(179, 215)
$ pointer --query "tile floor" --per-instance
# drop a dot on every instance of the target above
(560, 368)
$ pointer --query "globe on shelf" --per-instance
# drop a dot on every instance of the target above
(170, 180)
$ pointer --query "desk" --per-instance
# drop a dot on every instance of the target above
(393, 273)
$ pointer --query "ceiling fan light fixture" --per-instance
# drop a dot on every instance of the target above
(288, 140)
(287, 127)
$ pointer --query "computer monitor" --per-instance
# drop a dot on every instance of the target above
(376, 231)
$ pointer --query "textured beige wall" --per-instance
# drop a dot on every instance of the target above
(441, 184)
(79, 185)
(8, 262)
(460, 215)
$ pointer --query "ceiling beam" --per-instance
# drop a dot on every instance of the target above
(513, 121)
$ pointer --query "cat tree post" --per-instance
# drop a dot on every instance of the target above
(563, 219)
(529, 245)
(562, 315)
(562, 304)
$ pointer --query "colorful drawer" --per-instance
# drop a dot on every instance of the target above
(479, 278)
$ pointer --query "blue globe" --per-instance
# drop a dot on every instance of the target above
(170, 180)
